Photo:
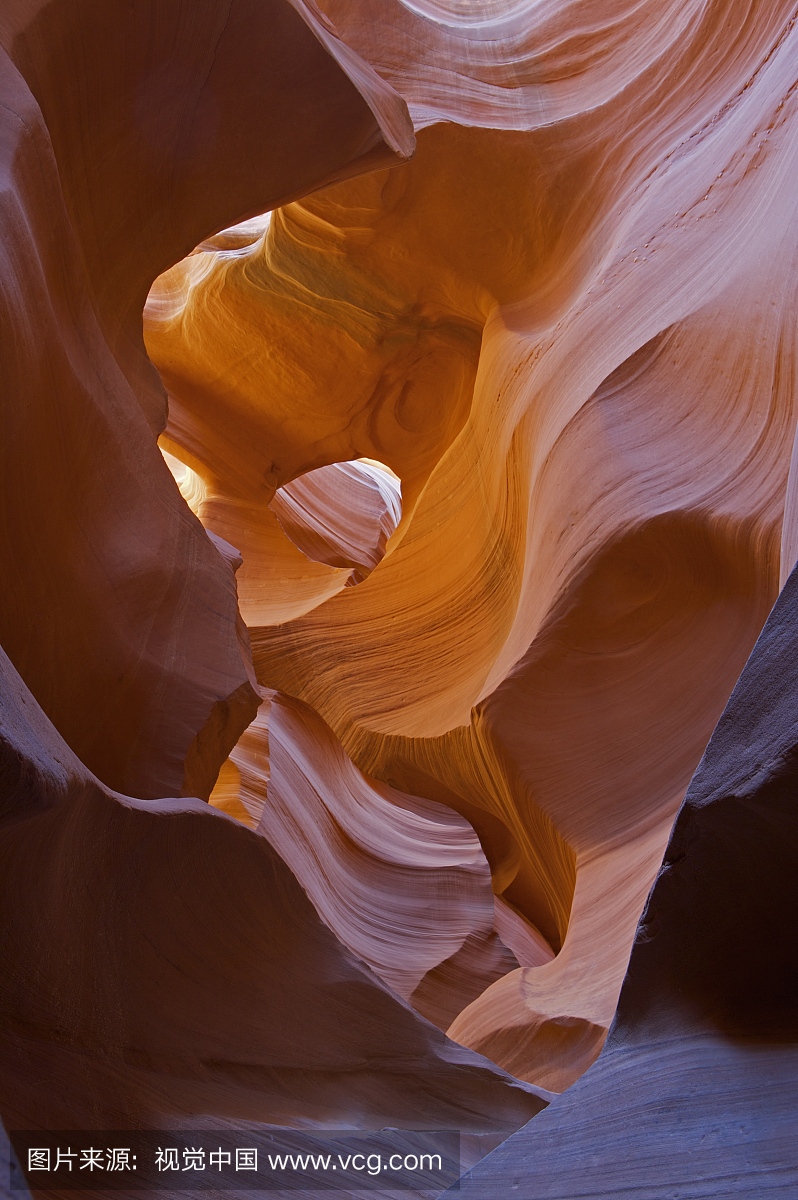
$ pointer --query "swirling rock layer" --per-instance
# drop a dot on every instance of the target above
(111, 118)
(217, 989)
(532, 390)
(695, 1092)
(566, 325)
(401, 881)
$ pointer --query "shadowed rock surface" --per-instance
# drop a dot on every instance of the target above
(397, 450)
(567, 326)
(694, 1094)
(179, 968)
(119, 129)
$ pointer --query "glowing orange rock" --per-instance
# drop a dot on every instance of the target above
(120, 131)
(342, 515)
(401, 881)
(566, 326)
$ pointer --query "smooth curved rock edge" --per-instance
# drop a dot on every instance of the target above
(566, 325)
(343, 514)
(695, 1092)
(121, 128)
(588, 398)
(218, 989)
(401, 881)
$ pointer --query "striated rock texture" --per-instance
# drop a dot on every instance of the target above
(401, 881)
(180, 969)
(430, 554)
(160, 960)
(567, 326)
(694, 1094)
(119, 131)
(342, 515)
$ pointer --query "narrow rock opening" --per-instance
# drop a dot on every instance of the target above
(342, 514)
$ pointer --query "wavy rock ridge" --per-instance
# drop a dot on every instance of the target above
(695, 1091)
(481, 490)
(566, 326)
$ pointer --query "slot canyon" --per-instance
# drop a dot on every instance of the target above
(398, 627)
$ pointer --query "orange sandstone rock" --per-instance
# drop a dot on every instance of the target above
(566, 326)
(127, 135)
(166, 963)
(342, 514)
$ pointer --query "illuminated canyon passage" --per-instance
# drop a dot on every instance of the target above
(398, 489)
